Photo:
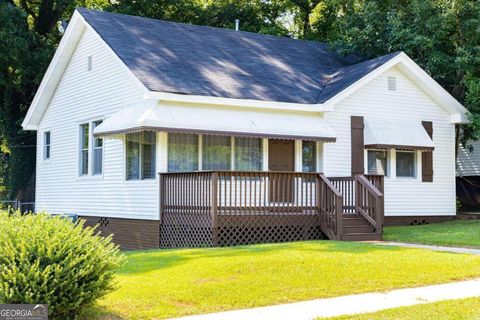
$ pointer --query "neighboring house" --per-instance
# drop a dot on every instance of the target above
(239, 125)
(468, 177)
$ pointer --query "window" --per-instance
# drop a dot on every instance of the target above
(84, 143)
(97, 151)
(182, 152)
(309, 156)
(148, 149)
(248, 154)
(377, 162)
(216, 152)
(140, 155)
(46, 145)
(405, 164)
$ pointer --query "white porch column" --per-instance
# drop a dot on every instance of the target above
(298, 156)
(265, 154)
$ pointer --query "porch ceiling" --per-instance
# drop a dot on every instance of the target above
(150, 115)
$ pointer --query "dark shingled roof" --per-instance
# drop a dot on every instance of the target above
(198, 60)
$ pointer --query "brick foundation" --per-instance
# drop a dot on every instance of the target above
(129, 234)
(415, 220)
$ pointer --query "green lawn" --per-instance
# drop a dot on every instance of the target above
(167, 283)
(465, 309)
(462, 233)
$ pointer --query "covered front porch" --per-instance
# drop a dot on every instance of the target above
(223, 208)
(231, 176)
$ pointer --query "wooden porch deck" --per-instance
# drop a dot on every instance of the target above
(223, 208)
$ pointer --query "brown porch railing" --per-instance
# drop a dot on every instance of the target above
(230, 207)
(369, 201)
(346, 186)
(331, 208)
(223, 208)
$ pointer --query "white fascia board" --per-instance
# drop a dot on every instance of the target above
(241, 103)
(54, 72)
(454, 108)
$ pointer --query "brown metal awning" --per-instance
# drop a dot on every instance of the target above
(403, 135)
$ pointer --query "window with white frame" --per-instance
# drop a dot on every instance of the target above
(309, 156)
(46, 145)
(377, 163)
(90, 150)
(84, 146)
(191, 152)
(97, 151)
(140, 148)
(405, 164)
(248, 154)
(216, 152)
(182, 152)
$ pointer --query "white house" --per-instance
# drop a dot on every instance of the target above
(239, 126)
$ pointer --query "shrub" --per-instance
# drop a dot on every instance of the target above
(48, 259)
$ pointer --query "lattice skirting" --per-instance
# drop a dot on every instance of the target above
(184, 230)
(188, 230)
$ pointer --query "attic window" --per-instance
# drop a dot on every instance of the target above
(89, 63)
(392, 83)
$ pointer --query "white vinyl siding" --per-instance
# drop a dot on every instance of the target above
(83, 96)
(403, 197)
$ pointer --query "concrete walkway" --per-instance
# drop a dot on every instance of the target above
(352, 304)
(424, 246)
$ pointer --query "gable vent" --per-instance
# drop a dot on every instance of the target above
(392, 83)
(89, 63)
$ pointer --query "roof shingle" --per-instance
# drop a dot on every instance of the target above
(198, 60)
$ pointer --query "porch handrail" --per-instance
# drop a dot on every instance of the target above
(331, 208)
(369, 202)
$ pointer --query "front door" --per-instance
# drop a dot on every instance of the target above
(281, 157)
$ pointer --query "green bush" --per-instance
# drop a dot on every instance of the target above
(48, 259)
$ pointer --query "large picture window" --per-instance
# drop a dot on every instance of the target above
(84, 145)
(140, 155)
(182, 152)
(405, 163)
(377, 162)
(309, 156)
(216, 152)
(248, 154)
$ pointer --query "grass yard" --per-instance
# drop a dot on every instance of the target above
(461, 233)
(168, 283)
(464, 309)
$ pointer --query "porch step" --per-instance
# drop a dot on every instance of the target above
(357, 221)
(361, 237)
(364, 228)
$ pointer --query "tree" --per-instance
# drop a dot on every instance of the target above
(442, 36)
(23, 57)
